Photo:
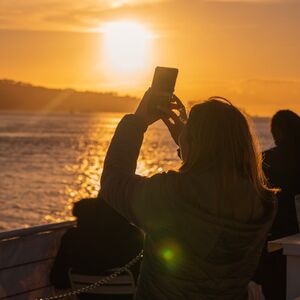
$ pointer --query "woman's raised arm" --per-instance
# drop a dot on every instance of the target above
(119, 183)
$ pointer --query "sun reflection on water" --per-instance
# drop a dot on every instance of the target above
(51, 161)
(94, 144)
(60, 161)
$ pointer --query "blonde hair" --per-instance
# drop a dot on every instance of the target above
(219, 135)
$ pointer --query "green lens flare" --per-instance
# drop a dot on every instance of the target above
(167, 254)
(171, 254)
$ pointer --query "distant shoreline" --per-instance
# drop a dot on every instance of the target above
(91, 112)
(22, 96)
(16, 111)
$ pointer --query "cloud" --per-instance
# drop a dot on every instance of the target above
(249, 1)
(77, 15)
(55, 15)
(256, 96)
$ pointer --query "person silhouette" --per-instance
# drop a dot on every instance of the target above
(281, 165)
(205, 225)
(102, 240)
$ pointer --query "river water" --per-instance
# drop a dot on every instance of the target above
(48, 161)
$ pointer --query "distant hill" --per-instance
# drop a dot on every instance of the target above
(26, 97)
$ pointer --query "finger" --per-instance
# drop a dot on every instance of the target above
(177, 100)
(179, 104)
(182, 110)
(174, 105)
(168, 123)
(164, 110)
(170, 114)
(182, 113)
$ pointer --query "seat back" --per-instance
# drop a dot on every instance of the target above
(124, 284)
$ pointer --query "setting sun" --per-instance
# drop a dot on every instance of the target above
(126, 45)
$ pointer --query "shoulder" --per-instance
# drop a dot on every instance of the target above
(160, 185)
(270, 203)
(157, 185)
(169, 176)
(270, 152)
(269, 156)
(151, 201)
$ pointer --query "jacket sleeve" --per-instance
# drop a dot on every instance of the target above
(133, 196)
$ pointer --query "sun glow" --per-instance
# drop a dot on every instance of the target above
(126, 45)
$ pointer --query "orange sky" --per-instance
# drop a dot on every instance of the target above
(245, 50)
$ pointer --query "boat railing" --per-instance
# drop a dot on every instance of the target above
(26, 258)
(17, 233)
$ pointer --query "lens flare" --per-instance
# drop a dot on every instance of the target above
(171, 254)
(167, 254)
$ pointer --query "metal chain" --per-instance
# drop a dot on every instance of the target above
(98, 283)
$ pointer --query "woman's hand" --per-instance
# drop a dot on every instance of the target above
(174, 122)
(143, 112)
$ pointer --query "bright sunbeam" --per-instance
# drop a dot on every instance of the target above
(126, 45)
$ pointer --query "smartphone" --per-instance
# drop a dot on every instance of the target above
(163, 86)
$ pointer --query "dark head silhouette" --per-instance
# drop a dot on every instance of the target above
(87, 212)
(285, 128)
(217, 133)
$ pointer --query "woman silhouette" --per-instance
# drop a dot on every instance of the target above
(205, 224)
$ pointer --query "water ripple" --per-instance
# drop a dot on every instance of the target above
(49, 161)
